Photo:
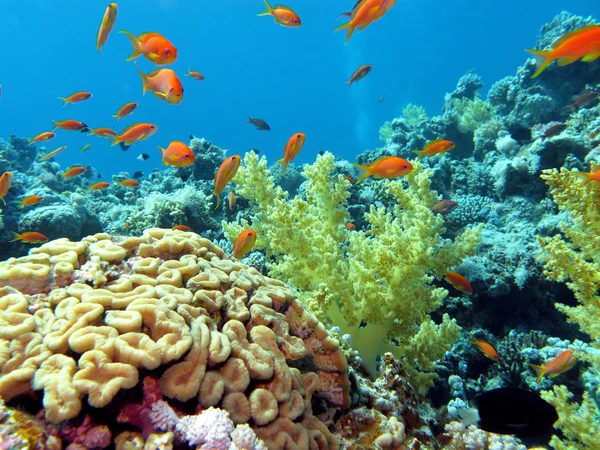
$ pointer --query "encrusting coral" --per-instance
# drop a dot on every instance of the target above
(85, 318)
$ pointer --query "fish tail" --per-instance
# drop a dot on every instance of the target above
(144, 79)
(364, 171)
(344, 14)
(135, 43)
(17, 236)
(116, 116)
(284, 162)
(65, 101)
(3, 201)
(55, 125)
(218, 194)
(116, 140)
(540, 371)
(584, 176)
(542, 58)
(420, 153)
(350, 29)
(349, 82)
(269, 10)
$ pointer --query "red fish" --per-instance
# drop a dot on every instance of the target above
(129, 183)
(444, 207)
(350, 226)
(5, 184)
(100, 185)
(72, 125)
(563, 362)
(244, 243)
(384, 167)
(177, 154)
(291, 149)
(125, 110)
(74, 172)
(459, 282)
(134, 133)
(154, 46)
(76, 98)
(30, 237)
(106, 26)
(359, 74)
(437, 147)
(283, 15)
(31, 200)
(181, 228)
(224, 175)
(103, 132)
(45, 136)
(487, 349)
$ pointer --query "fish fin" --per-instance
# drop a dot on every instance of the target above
(565, 37)
(116, 140)
(344, 14)
(116, 116)
(55, 125)
(364, 171)
(154, 57)
(135, 43)
(554, 375)
(65, 101)
(591, 57)
(584, 176)
(287, 8)
(350, 81)
(540, 371)
(144, 79)
(16, 235)
(350, 29)
(542, 58)
(161, 95)
(420, 153)
(218, 194)
(269, 10)
(284, 162)
(566, 61)
(3, 201)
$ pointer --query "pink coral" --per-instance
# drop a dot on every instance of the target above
(88, 434)
(139, 414)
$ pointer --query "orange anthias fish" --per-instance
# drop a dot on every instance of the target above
(74, 172)
(154, 46)
(53, 153)
(5, 184)
(231, 199)
(364, 13)
(181, 228)
(385, 167)
(350, 226)
(45, 136)
(108, 22)
(195, 75)
(563, 362)
(129, 183)
(359, 74)
(72, 125)
(291, 149)
(164, 84)
(30, 237)
(226, 172)
(99, 186)
(134, 133)
(589, 177)
(486, 348)
(583, 44)
(125, 110)
(103, 132)
(437, 147)
(459, 282)
(283, 15)
(444, 207)
(177, 154)
(244, 243)
(31, 200)
(76, 98)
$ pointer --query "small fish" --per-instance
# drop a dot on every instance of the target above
(487, 349)
(143, 156)
(5, 184)
(563, 362)
(30, 237)
(74, 172)
(283, 15)
(384, 167)
(130, 183)
(381, 99)
(106, 26)
(554, 130)
(154, 46)
(134, 133)
(53, 153)
(578, 44)
(72, 125)
(459, 282)
(177, 154)
(349, 179)
(45, 136)
(260, 124)
(195, 75)
(364, 13)
(99, 186)
(127, 225)
(589, 177)
(181, 228)
(231, 200)
(437, 147)
(359, 74)
(350, 226)
(164, 84)
(85, 148)
(138, 174)
(291, 150)
(226, 172)
(321, 152)
(103, 132)
(584, 100)
(125, 110)
(244, 243)
(75, 98)
(31, 200)
(444, 207)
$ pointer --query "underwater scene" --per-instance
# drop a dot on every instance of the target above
(367, 224)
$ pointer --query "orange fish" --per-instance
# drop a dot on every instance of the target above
(103, 132)
(129, 183)
(99, 186)
(177, 154)
(75, 98)
(487, 349)
(181, 228)
(108, 22)
(153, 46)
(583, 44)
(244, 243)
(125, 110)
(5, 184)
(283, 15)
(231, 199)
(350, 179)
(364, 13)
(195, 75)
(53, 153)
(226, 172)
(555, 367)
(350, 226)
(31, 200)
(359, 74)
(444, 207)
(459, 282)
(30, 237)
(45, 136)
(164, 84)
(72, 125)
(384, 167)
(292, 148)
(589, 177)
(134, 133)
(74, 172)
(437, 147)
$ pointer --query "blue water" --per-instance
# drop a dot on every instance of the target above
(292, 78)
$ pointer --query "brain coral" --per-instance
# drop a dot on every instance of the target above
(82, 319)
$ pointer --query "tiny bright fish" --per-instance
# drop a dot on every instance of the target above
(224, 175)
(486, 348)
(74, 171)
(85, 148)
(30, 237)
(125, 110)
(437, 147)
(31, 200)
(283, 15)
(181, 228)
(291, 150)
(231, 200)
(563, 362)
(76, 98)
(53, 153)
(129, 183)
(72, 125)
(384, 167)
(5, 184)
(103, 132)
(106, 26)
(244, 243)
(134, 133)
(364, 13)
(459, 282)
(99, 186)
(45, 136)
(350, 226)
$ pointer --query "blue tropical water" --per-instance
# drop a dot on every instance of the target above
(292, 78)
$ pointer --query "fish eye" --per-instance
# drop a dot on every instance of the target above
(249, 233)
(406, 166)
(187, 155)
(295, 20)
(167, 51)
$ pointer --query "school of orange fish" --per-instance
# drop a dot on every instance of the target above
(581, 44)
